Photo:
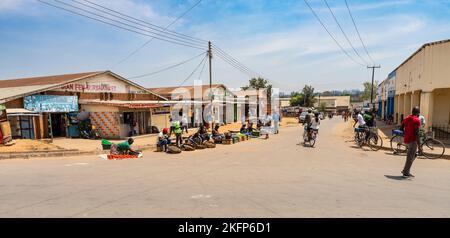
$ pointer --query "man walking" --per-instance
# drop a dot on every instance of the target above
(411, 125)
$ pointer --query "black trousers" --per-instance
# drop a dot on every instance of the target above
(410, 157)
(178, 140)
(184, 128)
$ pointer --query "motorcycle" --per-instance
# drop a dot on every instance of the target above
(90, 132)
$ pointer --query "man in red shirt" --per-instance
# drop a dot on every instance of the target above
(411, 125)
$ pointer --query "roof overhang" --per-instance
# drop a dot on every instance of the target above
(20, 112)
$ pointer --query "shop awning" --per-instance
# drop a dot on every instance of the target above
(20, 112)
(126, 104)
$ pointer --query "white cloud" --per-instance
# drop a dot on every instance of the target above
(138, 10)
(11, 4)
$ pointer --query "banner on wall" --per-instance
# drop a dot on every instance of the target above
(51, 103)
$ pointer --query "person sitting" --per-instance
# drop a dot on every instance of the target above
(123, 148)
(217, 137)
(250, 128)
(243, 129)
(202, 133)
(163, 139)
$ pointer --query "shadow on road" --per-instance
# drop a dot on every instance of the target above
(396, 177)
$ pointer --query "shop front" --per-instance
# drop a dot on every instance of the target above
(117, 119)
(57, 113)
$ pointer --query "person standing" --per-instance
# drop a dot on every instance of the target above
(184, 124)
(276, 122)
(411, 126)
(178, 132)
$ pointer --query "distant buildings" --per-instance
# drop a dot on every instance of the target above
(334, 104)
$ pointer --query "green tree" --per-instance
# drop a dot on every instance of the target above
(296, 99)
(259, 83)
(322, 106)
(309, 97)
(367, 90)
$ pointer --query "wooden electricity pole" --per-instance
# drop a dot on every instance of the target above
(373, 76)
(210, 83)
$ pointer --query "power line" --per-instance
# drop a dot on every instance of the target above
(343, 32)
(193, 72)
(167, 68)
(231, 58)
(134, 21)
(151, 39)
(162, 28)
(201, 71)
(127, 24)
(357, 31)
(118, 26)
(331, 35)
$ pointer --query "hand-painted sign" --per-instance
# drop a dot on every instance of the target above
(78, 87)
(51, 103)
(161, 110)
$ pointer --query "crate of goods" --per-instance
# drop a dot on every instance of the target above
(256, 133)
(235, 140)
(106, 145)
(227, 142)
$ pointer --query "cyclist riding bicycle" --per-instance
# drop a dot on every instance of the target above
(307, 122)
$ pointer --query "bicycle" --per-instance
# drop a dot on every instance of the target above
(428, 146)
(310, 137)
(373, 140)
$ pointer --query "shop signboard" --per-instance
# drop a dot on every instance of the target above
(51, 103)
(161, 110)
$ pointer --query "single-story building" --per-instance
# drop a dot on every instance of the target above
(334, 104)
(424, 80)
(50, 106)
(194, 99)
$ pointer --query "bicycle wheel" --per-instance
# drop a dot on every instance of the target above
(398, 145)
(432, 148)
(359, 138)
(375, 142)
(312, 142)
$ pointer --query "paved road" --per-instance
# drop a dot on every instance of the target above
(257, 178)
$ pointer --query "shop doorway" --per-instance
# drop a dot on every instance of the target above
(58, 121)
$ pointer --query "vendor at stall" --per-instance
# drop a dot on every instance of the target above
(217, 137)
(123, 148)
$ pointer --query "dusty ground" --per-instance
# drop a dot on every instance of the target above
(28, 145)
(256, 178)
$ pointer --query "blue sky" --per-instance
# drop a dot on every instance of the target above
(280, 39)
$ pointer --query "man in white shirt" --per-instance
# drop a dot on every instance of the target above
(184, 123)
(360, 120)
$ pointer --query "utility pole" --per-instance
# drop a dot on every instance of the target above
(210, 68)
(210, 82)
(373, 76)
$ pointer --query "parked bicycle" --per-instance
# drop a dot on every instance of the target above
(428, 146)
(368, 136)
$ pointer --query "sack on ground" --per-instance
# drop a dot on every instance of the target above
(171, 149)
(187, 148)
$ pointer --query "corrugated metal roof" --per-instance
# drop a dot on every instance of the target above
(45, 80)
(167, 91)
(16, 88)
(6, 93)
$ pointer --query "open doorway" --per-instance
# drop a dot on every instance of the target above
(59, 124)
